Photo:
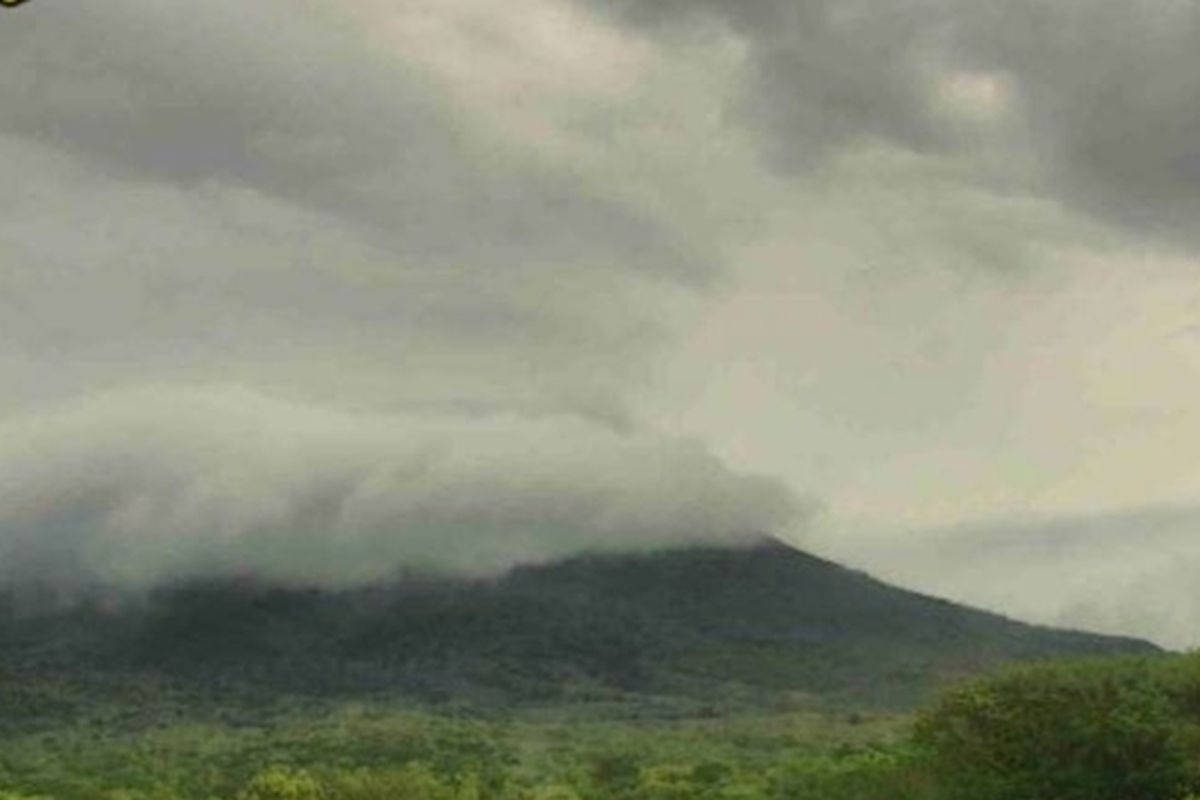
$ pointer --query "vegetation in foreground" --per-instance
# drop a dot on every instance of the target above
(1121, 728)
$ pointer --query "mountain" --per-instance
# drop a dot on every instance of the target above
(761, 624)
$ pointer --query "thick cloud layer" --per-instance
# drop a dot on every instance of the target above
(134, 489)
(930, 262)
(1093, 101)
(316, 117)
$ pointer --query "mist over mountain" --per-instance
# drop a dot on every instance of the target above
(139, 489)
(760, 623)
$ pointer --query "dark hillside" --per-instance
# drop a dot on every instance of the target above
(760, 624)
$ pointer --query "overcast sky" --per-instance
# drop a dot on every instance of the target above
(316, 288)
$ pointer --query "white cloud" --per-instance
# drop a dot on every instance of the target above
(140, 487)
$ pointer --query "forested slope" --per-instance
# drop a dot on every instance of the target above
(765, 624)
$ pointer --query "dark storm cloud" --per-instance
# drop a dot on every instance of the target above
(1111, 98)
(244, 191)
(822, 73)
(285, 98)
(1105, 99)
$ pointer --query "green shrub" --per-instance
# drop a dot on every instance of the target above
(1088, 730)
(871, 775)
(282, 783)
(414, 781)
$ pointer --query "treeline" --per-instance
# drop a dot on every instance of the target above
(863, 776)
(1124, 728)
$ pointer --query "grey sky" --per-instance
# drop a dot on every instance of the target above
(925, 267)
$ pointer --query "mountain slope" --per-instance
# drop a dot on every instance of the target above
(764, 624)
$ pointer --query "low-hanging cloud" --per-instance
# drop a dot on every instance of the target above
(141, 487)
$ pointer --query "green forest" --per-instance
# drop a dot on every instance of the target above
(1091, 728)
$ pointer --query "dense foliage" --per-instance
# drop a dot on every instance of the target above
(1119, 729)
(709, 674)
(375, 751)
(1098, 729)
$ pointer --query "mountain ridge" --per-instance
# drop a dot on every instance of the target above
(765, 621)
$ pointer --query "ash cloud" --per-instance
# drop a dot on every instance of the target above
(140, 488)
